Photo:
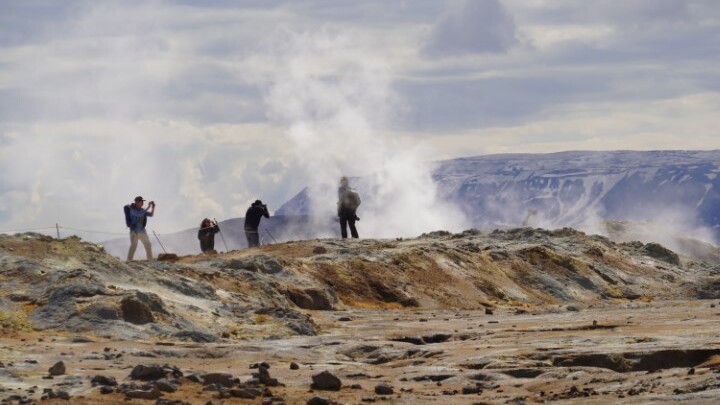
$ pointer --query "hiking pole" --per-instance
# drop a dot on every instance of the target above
(161, 245)
(221, 236)
(273, 238)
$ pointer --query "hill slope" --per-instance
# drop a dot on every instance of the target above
(72, 285)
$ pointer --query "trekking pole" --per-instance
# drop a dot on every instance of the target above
(221, 236)
(161, 245)
(273, 238)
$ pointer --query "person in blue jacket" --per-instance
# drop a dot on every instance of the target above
(136, 220)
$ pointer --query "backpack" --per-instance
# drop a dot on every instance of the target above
(352, 200)
(128, 219)
(128, 222)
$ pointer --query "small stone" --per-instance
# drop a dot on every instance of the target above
(224, 379)
(319, 401)
(147, 373)
(384, 389)
(488, 311)
(294, 366)
(58, 394)
(104, 390)
(246, 393)
(162, 401)
(194, 378)
(57, 369)
(344, 319)
(165, 385)
(103, 381)
(263, 376)
(154, 393)
(319, 250)
(167, 257)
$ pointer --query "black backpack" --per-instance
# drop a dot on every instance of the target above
(352, 200)
(128, 221)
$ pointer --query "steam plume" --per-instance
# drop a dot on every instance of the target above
(336, 103)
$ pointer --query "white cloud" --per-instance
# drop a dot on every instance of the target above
(475, 27)
(100, 101)
(663, 124)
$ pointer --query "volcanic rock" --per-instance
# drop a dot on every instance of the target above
(57, 369)
(326, 381)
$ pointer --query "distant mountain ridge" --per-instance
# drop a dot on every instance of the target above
(576, 188)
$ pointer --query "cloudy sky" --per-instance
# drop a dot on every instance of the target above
(197, 103)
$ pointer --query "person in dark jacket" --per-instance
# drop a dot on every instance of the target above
(348, 203)
(206, 235)
(252, 221)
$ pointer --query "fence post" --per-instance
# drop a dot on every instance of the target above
(57, 228)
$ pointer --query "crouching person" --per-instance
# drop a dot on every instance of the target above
(206, 235)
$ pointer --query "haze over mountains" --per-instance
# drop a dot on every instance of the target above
(678, 188)
(677, 191)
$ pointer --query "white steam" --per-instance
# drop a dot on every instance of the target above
(336, 103)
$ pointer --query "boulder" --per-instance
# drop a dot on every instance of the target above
(326, 381)
(310, 298)
(57, 369)
(139, 308)
(660, 252)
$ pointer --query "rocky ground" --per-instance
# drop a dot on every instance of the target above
(515, 316)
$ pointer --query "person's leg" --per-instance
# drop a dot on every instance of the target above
(343, 227)
(353, 230)
(133, 245)
(145, 239)
(253, 237)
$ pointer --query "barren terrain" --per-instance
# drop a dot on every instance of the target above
(516, 316)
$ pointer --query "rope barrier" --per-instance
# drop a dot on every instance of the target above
(27, 230)
(95, 231)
